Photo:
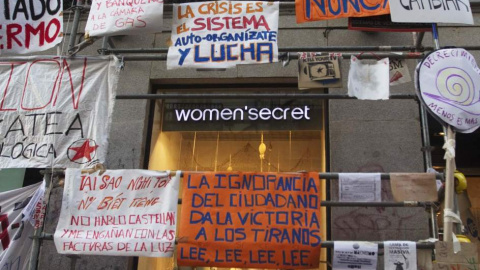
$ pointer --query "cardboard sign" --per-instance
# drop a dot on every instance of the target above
(222, 34)
(448, 82)
(400, 255)
(317, 10)
(465, 259)
(15, 241)
(383, 23)
(132, 17)
(434, 12)
(414, 187)
(55, 112)
(30, 26)
(355, 255)
(318, 71)
(250, 220)
(120, 212)
(399, 72)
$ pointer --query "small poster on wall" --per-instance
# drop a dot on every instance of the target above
(250, 220)
(222, 34)
(400, 255)
(30, 26)
(355, 255)
(107, 18)
(318, 71)
(448, 83)
(399, 72)
(118, 212)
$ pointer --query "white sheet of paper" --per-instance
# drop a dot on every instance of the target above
(400, 255)
(360, 187)
(369, 79)
(355, 255)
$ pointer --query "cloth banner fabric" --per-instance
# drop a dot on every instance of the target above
(222, 34)
(118, 212)
(438, 12)
(56, 112)
(369, 79)
(448, 83)
(131, 17)
(250, 220)
(30, 26)
(317, 10)
(15, 241)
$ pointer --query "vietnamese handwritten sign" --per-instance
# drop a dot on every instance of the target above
(317, 10)
(457, 11)
(55, 112)
(30, 26)
(121, 212)
(250, 220)
(448, 82)
(130, 17)
(222, 34)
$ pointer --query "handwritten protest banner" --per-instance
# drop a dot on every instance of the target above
(317, 10)
(222, 34)
(120, 212)
(457, 11)
(55, 112)
(126, 17)
(16, 229)
(250, 220)
(448, 83)
(30, 26)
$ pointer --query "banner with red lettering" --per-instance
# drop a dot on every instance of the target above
(16, 229)
(317, 10)
(222, 34)
(250, 220)
(30, 26)
(126, 17)
(118, 212)
(55, 112)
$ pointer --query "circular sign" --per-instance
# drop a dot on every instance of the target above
(448, 84)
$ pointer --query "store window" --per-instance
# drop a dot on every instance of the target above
(215, 134)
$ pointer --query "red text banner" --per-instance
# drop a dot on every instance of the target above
(30, 26)
(119, 212)
(55, 112)
(317, 10)
(222, 34)
(250, 220)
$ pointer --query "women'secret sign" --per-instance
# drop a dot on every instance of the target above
(119, 212)
(56, 112)
(448, 82)
(30, 26)
(222, 34)
(250, 220)
(124, 17)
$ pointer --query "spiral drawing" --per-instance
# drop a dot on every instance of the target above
(454, 84)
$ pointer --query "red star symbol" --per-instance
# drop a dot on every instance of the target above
(83, 151)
